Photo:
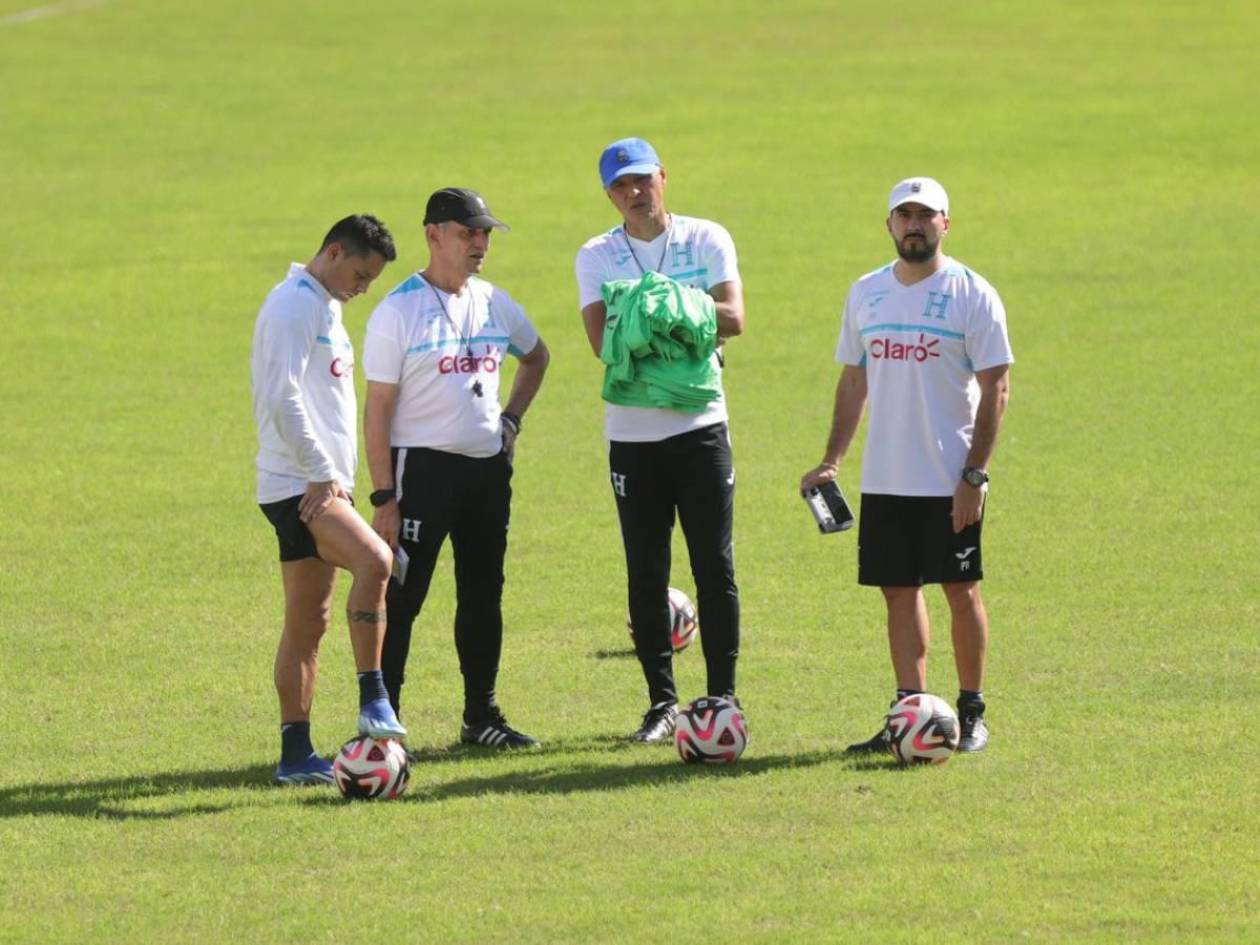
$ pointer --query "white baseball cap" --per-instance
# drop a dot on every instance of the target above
(922, 190)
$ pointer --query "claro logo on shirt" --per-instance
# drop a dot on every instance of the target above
(886, 349)
(467, 365)
(340, 367)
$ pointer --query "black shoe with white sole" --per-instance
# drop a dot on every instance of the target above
(973, 733)
(493, 731)
(658, 723)
(876, 745)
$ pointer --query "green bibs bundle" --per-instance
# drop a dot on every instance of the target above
(659, 338)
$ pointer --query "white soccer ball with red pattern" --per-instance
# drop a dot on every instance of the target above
(922, 729)
(372, 768)
(711, 731)
(682, 620)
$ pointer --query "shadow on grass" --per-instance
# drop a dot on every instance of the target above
(113, 798)
(628, 654)
(108, 798)
(663, 769)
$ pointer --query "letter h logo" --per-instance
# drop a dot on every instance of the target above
(619, 484)
(936, 305)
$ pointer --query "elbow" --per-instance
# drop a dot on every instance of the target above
(731, 324)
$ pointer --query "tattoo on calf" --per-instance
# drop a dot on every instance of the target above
(366, 616)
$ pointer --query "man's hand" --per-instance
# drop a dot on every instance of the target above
(509, 442)
(823, 472)
(386, 521)
(317, 498)
(968, 505)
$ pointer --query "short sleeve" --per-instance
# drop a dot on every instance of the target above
(988, 344)
(590, 276)
(383, 345)
(849, 348)
(522, 336)
(720, 259)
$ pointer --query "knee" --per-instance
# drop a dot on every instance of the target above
(901, 596)
(375, 566)
(963, 595)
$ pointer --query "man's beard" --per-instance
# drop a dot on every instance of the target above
(917, 255)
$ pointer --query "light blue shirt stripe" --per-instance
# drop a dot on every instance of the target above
(455, 343)
(926, 329)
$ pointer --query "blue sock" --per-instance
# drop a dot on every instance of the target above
(371, 687)
(295, 742)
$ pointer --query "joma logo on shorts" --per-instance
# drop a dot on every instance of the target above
(888, 350)
(467, 365)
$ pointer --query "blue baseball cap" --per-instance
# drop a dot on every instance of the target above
(627, 156)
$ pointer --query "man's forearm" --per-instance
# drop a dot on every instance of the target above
(989, 413)
(846, 415)
(525, 387)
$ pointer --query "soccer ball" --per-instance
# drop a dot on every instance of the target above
(711, 731)
(922, 729)
(682, 620)
(371, 768)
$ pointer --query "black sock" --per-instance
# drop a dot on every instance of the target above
(371, 687)
(973, 699)
(479, 704)
(295, 742)
(902, 693)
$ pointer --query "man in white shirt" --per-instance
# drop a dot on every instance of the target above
(925, 339)
(304, 404)
(662, 461)
(440, 449)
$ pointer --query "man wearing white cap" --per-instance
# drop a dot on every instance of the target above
(662, 461)
(924, 339)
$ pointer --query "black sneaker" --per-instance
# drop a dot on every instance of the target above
(876, 745)
(494, 732)
(658, 723)
(973, 733)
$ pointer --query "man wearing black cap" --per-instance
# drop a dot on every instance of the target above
(440, 448)
(662, 461)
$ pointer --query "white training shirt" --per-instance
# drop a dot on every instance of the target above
(921, 346)
(437, 357)
(302, 375)
(694, 252)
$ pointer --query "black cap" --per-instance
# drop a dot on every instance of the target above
(460, 205)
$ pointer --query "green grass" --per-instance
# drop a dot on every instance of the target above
(162, 163)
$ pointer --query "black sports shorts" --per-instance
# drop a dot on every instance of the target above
(909, 541)
(296, 540)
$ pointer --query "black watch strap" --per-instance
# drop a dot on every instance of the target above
(380, 497)
(975, 477)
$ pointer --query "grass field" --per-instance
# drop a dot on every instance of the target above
(160, 165)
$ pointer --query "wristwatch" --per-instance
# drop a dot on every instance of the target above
(381, 496)
(975, 477)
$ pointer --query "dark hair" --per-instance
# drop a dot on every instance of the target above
(361, 234)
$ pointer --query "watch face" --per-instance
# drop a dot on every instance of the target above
(975, 477)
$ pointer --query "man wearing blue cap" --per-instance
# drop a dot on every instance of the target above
(925, 338)
(668, 461)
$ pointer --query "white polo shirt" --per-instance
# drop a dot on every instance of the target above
(921, 346)
(301, 370)
(441, 349)
(694, 252)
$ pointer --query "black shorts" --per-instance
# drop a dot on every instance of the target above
(909, 541)
(296, 540)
